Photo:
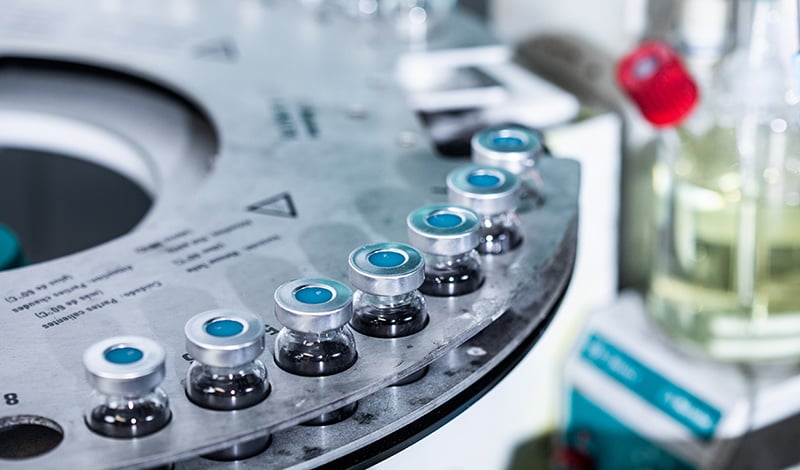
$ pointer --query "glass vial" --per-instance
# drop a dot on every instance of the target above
(447, 234)
(492, 193)
(226, 373)
(315, 340)
(387, 302)
(517, 149)
(126, 372)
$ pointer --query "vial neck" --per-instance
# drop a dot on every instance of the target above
(129, 396)
(227, 370)
(388, 300)
(444, 261)
(315, 337)
(501, 218)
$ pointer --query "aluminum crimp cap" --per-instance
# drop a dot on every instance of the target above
(515, 148)
(485, 189)
(443, 229)
(386, 268)
(224, 338)
(125, 365)
(313, 305)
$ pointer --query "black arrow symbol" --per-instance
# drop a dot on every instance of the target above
(280, 205)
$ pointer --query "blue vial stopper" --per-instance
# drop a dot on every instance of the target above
(386, 259)
(444, 220)
(483, 180)
(313, 295)
(508, 143)
(224, 328)
(123, 355)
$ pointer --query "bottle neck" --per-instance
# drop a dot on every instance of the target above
(754, 17)
(759, 72)
(704, 33)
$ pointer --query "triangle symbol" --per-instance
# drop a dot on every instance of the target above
(222, 49)
(280, 205)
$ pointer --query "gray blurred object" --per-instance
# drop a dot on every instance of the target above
(479, 8)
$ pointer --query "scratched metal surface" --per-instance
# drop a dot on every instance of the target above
(298, 181)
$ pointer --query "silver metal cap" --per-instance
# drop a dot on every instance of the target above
(313, 305)
(224, 338)
(485, 189)
(443, 229)
(386, 268)
(514, 148)
(125, 365)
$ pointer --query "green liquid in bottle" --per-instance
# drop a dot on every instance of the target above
(726, 277)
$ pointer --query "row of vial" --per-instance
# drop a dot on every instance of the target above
(315, 341)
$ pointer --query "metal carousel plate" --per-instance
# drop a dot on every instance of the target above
(267, 141)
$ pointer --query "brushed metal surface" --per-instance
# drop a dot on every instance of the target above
(298, 182)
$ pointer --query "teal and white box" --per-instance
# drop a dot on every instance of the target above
(633, 400)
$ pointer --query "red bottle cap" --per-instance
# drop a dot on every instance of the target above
(655, 79)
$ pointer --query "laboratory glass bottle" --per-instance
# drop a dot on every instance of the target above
(726, 264)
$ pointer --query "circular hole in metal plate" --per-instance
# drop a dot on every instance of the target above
(134, 145)
(26, 436)
(62, 205)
